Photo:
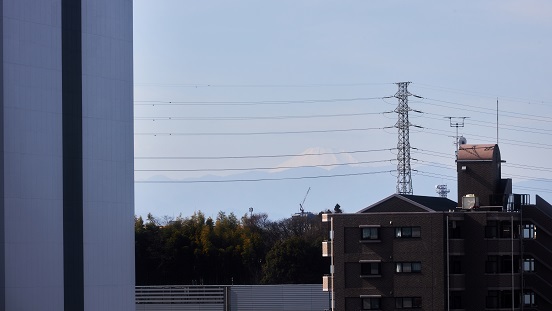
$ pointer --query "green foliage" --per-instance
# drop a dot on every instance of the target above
(294, 260)
(250, 250)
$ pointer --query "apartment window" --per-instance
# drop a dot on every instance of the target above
(505, 230)
(371, 303)
(456, 300)
(408, 302)
(369, 233)
(370, 268)
(491, 230)
(491, 265)
(529, 264)
(456, 265)
(492, 299)
(529, 299)
(506, 264)
(529, 231)
(454, 229)
(408, 267)
(407, 232)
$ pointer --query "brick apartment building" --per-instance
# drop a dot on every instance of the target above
(488, 252)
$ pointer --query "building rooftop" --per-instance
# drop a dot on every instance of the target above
(483, 152)
(419, 202)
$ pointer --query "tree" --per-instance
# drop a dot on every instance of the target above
(294, 261)
(200, 250)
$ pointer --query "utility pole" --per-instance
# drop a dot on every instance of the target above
(404, 177)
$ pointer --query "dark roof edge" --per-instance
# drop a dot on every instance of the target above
(427, 209)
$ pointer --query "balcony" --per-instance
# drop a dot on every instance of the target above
(502, 280)
(502, 245)
(326, 249)
(457, 282)
(326, 283)
(456, 247)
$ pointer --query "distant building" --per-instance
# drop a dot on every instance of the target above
(489, 252)
(66, 155)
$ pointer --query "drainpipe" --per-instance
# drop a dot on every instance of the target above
(332, 236)
(448, 267)
(512, 239)
(521, 250)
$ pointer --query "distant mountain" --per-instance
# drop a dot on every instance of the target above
(325, 158)
(279, 192)
(276, 193)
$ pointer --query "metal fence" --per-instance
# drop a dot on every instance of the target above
(181, 298)
(292, 297)
(289, 297)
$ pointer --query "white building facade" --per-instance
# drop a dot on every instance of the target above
(66, 160)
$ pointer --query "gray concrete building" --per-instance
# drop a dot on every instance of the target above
(66, 160)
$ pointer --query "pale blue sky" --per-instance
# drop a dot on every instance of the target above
(459, 56)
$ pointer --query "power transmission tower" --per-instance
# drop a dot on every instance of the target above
(404, 177)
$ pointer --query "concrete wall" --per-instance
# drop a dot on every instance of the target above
(32, 133)
(108, 169)
(32, 178)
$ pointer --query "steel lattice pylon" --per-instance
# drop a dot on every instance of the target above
(404, 177)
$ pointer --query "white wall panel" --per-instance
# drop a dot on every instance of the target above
(32, 155)
(108, 155)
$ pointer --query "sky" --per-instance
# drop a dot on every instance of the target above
(236, 85)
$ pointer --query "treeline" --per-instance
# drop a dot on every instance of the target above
(228, 250)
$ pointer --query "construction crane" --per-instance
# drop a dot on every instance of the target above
(301, 204)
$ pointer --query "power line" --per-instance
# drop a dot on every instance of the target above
(257, 133)
(514, 142)
(258, 156)
(259, 168)
(214, 85)
(165, 118)
(532, 178)
(429, 174)
(247, 103)
(436, 164)
(480, 123)
(506, 164)
(528, 167)
(254, 180)
(486, 110)
(481, 94)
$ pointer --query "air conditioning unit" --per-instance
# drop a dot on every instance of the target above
(470, 201)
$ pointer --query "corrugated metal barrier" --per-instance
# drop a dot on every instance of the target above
(290, 297)
(181, 298)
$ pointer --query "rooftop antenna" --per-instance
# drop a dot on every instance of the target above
(301, 204)
(457, 122)
(497, 120)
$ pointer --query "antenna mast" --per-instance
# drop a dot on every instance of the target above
(457, 122)
(497, 120)
(404, 177)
